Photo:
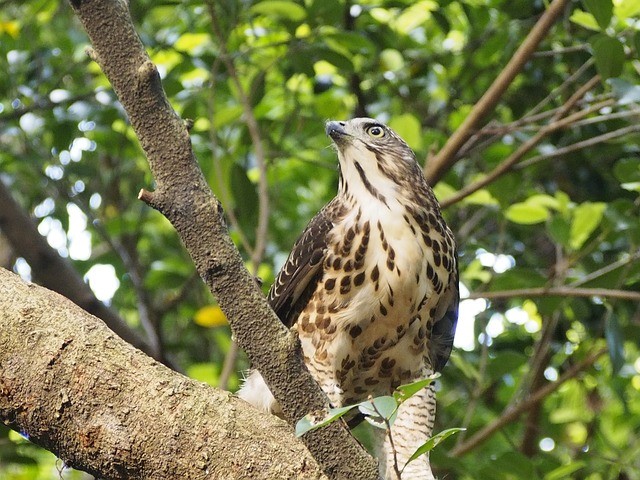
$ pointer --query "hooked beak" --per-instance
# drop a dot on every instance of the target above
(335, 129)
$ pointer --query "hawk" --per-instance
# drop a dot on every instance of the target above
(371, 287)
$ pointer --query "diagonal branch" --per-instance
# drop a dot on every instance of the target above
(512, 413)
(184, 197)
(556, 123)
(446, 157)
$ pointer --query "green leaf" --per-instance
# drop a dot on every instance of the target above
(559, 229)
(543, 200)
(380, 411)
(481, 197)
(280, 8)
(565, 471)
(433, 442)
(406, 391)
(627, 9)
(585, 20)
(627, 170)
(313, 421)
(526, 214)
(615, 342)
(408, 127)
(608, 53)
(414, 16)
(391, 60)
(192, 43)
(586, 218)
(602, 11)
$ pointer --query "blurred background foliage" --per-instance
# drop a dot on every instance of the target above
(258, 79)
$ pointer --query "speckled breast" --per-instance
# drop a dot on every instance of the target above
(366, 327)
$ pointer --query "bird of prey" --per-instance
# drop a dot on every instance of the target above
(371, 287)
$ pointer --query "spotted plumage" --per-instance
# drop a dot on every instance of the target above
(371, 287)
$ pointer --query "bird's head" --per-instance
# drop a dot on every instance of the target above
(374, 160)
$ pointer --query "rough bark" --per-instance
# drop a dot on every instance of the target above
(184, 197)
(75, 388)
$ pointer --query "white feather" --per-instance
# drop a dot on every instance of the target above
(254, 390)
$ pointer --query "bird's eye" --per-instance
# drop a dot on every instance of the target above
(375, 131)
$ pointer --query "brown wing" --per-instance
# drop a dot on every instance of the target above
(444, 328)
(302, 271)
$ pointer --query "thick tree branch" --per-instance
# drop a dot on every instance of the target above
(71, 386)
(445, 158)
(184, 197)
(55, 272)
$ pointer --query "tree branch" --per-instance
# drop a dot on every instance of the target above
(184, 197)
(446, 156)
(556, 123)
(558, 292)
(66, 383)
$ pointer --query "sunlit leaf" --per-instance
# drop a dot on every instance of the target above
(192, 43)
(433, 442)
(443, 190)
(526, 214)
(391, 60)
(204, 372)
(11, 27)
(280, 8)
(414, 16)
(586, 218)
(626, 9)
(584, 19)
(408, 127)
(210, 316)
(481, 197)
(406, 391)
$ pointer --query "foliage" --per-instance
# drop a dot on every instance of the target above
(380, 412)
(565, 216)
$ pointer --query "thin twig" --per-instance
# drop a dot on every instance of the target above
(589, 142)
(556, 123)
(609, 268)
(557, 291)
(515, 411)
(446, 156)
(561, 51)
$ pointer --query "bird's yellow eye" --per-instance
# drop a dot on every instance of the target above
(375, 131)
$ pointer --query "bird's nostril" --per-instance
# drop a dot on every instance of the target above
(342, 124)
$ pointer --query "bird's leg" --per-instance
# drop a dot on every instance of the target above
(412, 428)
